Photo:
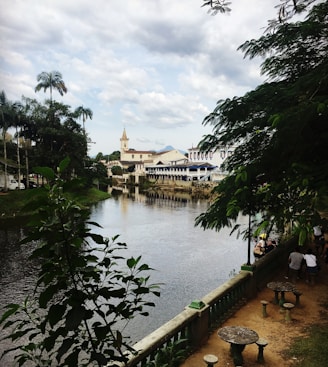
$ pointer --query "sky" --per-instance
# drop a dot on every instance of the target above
(154, 67)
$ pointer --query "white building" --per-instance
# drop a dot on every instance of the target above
(142, 158)
(180, 172)
(213, 157)
(172, 164)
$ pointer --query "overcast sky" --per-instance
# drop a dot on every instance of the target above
(155, 67)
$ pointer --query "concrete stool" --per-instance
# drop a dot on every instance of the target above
(288, 307)
(261, 343)
(264, 304)
(297, 296)
(210, 360)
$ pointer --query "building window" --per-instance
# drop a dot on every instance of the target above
(140, 156)
(132, 156)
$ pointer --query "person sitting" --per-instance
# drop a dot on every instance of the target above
(271, 245)
(259, 248)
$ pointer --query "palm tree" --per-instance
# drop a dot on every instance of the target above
(51, 80)
(19, 116)
(5, 123)
(84, 113)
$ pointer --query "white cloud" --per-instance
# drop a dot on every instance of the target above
(154, 67)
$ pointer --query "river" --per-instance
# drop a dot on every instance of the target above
(188, 261)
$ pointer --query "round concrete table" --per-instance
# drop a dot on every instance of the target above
(238, 337)
(281, 287)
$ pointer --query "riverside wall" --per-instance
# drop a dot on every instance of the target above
(195, 323)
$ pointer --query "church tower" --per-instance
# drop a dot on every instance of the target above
(124, 144)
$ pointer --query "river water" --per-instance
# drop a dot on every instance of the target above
(188, 261)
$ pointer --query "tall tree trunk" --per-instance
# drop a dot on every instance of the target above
(5, 158)
(18, 160)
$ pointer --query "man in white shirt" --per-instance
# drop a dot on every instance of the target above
(311, 265)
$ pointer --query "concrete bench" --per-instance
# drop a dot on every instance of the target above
(210, 359)
(261, 343)
(297, 297)
(288, 307)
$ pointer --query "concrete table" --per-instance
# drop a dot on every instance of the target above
(238, 337)
(281, 287)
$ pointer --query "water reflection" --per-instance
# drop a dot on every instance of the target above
(189, 261)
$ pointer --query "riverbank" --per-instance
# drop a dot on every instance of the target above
(20, 204)
(201, 190)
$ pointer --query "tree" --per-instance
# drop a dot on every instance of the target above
(18, 122)
(281, 127)
(117, 170)
(84, 113)
(114, 156)
(51, 80)
(286, 9)
(7, 118)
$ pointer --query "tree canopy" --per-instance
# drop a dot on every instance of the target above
(279, 168)
(51, 80)
(48, 132)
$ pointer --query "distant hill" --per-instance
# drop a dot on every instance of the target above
(165, 149)
(169, 147)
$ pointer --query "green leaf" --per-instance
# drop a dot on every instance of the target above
(74, 317)
(46, 172)
(131, 262)
(102, 331)
(12, 308)
(302, 236)
(100, 358)
(66, 345)
(72, 360)
(64, 164)
(47, 295)
(97, 238)
(56, 313)
(141, 290)
(321, 107)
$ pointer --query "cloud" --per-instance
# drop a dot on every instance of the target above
(156, 67)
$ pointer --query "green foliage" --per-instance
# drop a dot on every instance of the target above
(172, 355)
(279, 167)
(86, 290)
(117, 170)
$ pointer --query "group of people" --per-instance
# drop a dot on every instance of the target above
(263, 246)
(297, 259)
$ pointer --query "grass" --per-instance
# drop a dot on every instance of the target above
(312, 351)
(18, 203)
(12, 203)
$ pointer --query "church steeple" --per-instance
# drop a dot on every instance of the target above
(124, 142)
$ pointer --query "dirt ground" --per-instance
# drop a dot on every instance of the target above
(273, 328)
